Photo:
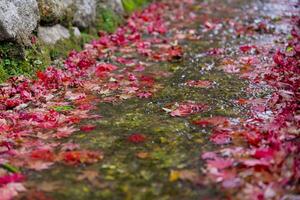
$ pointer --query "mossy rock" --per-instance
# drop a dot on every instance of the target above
(20, 60)
(56, 11)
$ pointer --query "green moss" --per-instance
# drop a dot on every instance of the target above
(62, 48)
(107, 20)
(9, 49)
(131, 120)
(3, 74)
(17, 60)
(132, 5)
(63, 108)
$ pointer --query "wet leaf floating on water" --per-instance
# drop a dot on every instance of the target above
(185, 109)
(212, 121)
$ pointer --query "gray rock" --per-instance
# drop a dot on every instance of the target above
(57, 11)
(85, 13)
(76, 32)
(18, 18)
(68, 3)
(51, 11)
(115, 5)
(50, 35)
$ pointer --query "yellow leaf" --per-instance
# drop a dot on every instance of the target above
(184, 175)
(174, 175)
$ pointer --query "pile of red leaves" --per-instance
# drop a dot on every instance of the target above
(261, 159)
(35, 114)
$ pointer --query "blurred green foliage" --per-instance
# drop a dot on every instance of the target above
(107, 20)
(132, 5)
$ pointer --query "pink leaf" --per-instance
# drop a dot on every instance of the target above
(220, 163)
(219, 137)
(186, 109)
(11, 190)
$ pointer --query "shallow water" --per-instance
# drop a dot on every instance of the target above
(171, 143)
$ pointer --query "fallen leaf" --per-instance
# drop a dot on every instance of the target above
(81, 157)
(199, 84)
(11, 190)
(136, 138)
(185, 175)
(87, 128)
(89, 175)
(186, 109)
(142, 155)
(49, 186)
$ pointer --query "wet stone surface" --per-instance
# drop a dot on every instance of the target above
(142, 171)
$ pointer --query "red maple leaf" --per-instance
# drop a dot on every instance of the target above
(136, 138)
(43, 154)
(87, 128)
(186, 109)
(103, 69)
(81, 157)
